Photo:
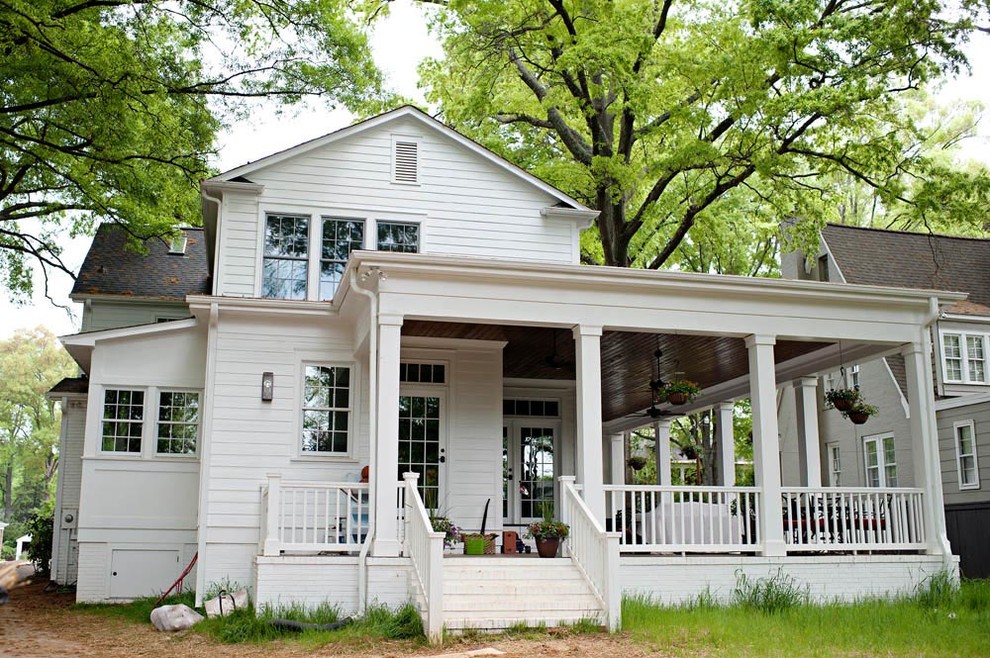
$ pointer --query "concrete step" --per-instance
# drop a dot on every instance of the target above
(514, 587)
(453, 622)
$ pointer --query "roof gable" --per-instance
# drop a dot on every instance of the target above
(405, 112)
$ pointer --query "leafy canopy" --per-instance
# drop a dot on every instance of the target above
(669, 117)
(109, 108)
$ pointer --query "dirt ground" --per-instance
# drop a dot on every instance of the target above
(36, 624)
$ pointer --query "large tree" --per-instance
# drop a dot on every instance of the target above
(666, 116)
(109, 108)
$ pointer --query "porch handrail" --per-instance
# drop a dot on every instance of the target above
(424, 547)
(313, 516)
(853, 518)
(593, 551)
(685, 518)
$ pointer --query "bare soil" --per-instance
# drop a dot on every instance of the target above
(37, 624)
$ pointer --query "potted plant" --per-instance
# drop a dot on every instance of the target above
(842, 399)
(680, 391)
(637, 462)
(452, 533)
(860, 412)
(548, 534)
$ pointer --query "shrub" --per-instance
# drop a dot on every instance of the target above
(41, 526)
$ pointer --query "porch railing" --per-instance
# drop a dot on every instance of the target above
(299, 516)
(594, 551)
(425, 550)
(656, 519)
(847, 518)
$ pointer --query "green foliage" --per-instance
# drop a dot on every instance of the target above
(110, 108)
(769, 595)
(842, 395)
(42, 529)
(696, 127)
(936, 591)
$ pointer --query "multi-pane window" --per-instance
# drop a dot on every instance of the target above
(419, 443)
(123, 421)
(834, 465)
(969, 474)
(964, 358)
(326, 409)
(881, 461)
(178, 422)
(339, 238)
(398, 236)
(545, 408)
(422, 373)
(852, 377)
(284, 270)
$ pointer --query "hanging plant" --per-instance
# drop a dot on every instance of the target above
(843, 399)
(637, 462)
(860, 412)
(680, 391)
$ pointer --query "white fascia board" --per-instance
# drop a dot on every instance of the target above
(976, 319)
(406, 111)
(584, 218)
(214, 185)
(572, 275)
(961, 401)
(80, 346)
(200, 304)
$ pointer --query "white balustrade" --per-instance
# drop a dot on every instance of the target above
(852, 519)
(684, 519)
(425, 550)
(594, 551)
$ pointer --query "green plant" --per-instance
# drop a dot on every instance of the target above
(637, 462)
(547, 526)
(842, 397)
(223, 586)
(452, 534)
(769, 595)
(937, 590)
(862, 408)
(41, 526)
(681, 386)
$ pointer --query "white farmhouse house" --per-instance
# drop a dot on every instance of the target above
(393, 295)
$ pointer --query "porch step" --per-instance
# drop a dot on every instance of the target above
(500, 592)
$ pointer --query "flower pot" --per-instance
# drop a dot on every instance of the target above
(843, 404)
(677, 398)
(474, 544)
(858, 417)
(547, 546)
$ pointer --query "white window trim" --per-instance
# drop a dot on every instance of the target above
(834, 477)
(354, 410)
(881, 458)
(959, 455)
(373, 239)
(199, 423)
(964, 356)
(119, 454)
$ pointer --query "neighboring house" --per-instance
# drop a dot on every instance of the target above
(880, 453)
(393, 295)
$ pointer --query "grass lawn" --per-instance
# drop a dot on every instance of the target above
(933, 623)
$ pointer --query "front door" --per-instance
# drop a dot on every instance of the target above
(422, 447)
(528, 469)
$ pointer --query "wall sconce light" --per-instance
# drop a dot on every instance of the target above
(267, 386)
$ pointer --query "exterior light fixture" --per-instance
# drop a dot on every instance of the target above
(267, 386)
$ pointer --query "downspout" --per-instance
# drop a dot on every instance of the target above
(372, 434)
(934, 313)
(216, 247)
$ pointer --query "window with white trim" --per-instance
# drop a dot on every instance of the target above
(326, 409)
(178, 423)
(339, 237)
(966, 462)
(286, 257)
(852, 377)
(964, 358)
(398, 236)
(880, 460)
(123, 421)
(834, 456)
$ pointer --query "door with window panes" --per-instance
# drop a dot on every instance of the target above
(530, 438)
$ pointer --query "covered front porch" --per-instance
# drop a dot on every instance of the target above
(737, 337)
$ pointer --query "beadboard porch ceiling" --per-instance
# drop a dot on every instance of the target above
(627, 357)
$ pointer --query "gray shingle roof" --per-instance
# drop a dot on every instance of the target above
(71, 385)
(112, 267)
(914, 260)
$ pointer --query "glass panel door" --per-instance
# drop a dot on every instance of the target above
(536, 471)
(420, 444)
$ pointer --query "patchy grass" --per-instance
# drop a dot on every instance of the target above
(939, 620)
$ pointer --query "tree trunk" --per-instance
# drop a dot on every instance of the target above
(611, 222)
(8, 490)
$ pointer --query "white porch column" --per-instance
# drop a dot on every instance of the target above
(618, 458)
(385, 473)
(809, 449)
(924, 442)
(766, 441)
(661, 430)
(726, 445)
(588, 355)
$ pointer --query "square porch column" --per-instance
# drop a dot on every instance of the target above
(661, 430)
(809, 450)
(924, 442)
(385, 473)
(588, 355)
(766, 442)
(726, 445)
(618, 458)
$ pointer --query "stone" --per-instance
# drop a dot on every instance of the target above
(226, 603)
(177, 617)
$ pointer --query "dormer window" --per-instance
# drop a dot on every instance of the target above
(178, 245)
(405, 160)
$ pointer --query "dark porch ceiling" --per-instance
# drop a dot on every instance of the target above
(627, 357)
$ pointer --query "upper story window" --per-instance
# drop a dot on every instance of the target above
(834, 455)
(398, 236)
(326, 409)
(285, 269)
(123, 421)
(339, 238)
(881, 461)
(964, 358)
(178, 422)
(966, 462)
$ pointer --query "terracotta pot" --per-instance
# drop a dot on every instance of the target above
(547, 546)
(858, 417)
(677, 398)
(843, 404)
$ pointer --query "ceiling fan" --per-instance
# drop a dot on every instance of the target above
(657, 384)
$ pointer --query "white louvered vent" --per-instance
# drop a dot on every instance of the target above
(405, 165)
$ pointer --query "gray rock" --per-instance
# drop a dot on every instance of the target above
(175, 617)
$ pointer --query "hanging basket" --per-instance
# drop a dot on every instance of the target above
(843, 404)
(858, 417)
(677, 398)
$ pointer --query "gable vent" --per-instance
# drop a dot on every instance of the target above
(405, 161)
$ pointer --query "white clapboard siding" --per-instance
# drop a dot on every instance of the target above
(101, 314)
(65, 554)
(461, 198)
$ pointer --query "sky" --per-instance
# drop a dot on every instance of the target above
(402, 33)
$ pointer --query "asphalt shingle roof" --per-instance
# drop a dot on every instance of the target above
(71, 385)
(112, 267)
